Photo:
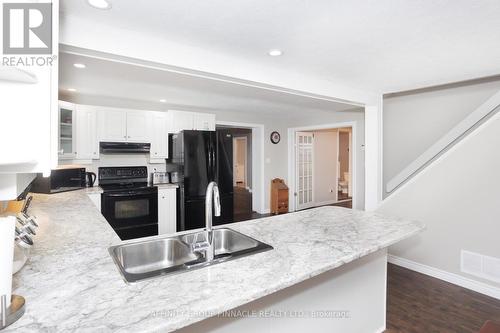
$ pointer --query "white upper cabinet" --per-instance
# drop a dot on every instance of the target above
(180, 121)
(137, 126)
(204, 122)
(121, 125)
(112, 125)
(87, 143)
(77, 132)
(159, 136)
(183, 120)
(67, 124)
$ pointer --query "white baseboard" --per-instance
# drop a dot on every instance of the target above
(456, 279)
(381, 330)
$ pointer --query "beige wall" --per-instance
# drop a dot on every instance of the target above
(325, 166)
(457, 197)
(414, 122)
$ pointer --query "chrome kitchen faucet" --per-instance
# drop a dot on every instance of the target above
(212, 197)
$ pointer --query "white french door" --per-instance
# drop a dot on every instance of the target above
(304, 164)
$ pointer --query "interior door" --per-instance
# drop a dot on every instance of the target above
(304, 178)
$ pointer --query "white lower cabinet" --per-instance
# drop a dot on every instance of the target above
(167, 211)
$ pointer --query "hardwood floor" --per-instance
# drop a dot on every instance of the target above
(420, 303)
(243, 206)
(345, 204)
(343, 196)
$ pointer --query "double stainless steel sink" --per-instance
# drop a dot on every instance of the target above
(159, 256)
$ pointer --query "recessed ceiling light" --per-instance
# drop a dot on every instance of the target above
(275, 53)
(163, 100)
(79, 65)
(100, 4)
(72, 89)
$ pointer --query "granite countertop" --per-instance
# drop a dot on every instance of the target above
(71, 283)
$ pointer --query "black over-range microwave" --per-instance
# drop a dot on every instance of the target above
(60, 180)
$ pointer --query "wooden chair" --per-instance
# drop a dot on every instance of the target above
(490, 327)
(279, 196)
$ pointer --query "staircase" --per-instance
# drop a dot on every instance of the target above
(453, 188)
(450, 139)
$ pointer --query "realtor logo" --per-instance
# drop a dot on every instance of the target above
(27, 28)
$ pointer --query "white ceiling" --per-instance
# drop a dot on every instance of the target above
(103, 81)
(378, 45)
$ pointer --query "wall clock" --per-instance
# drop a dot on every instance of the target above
(275, 137)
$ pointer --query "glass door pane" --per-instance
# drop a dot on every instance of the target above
(66, 123)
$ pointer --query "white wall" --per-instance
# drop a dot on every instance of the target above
(457, 197)
(414, 122)
(325, 166)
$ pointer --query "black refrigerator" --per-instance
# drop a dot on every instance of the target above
(200, 157)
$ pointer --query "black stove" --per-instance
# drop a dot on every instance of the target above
(129, 205)
(113, 178)
(124, 186)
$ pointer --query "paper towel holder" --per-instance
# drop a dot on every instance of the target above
(11, 314)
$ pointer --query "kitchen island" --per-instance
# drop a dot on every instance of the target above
(327, 268)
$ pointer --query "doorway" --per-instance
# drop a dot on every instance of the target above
(240, 161)
(344, 168)
(243, 173)
(305, 165)
(322, 166)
